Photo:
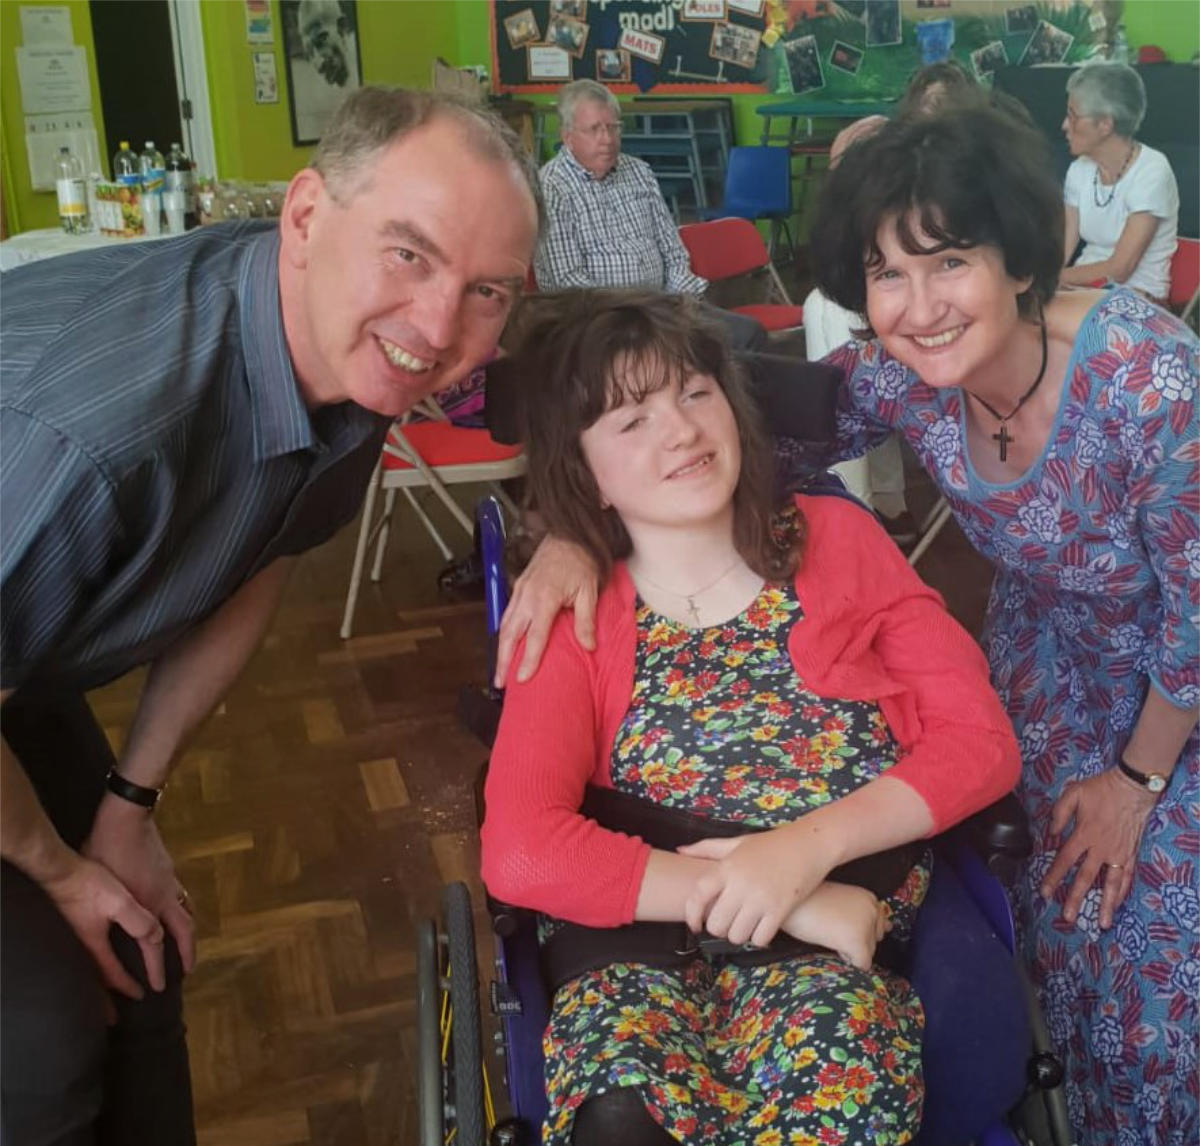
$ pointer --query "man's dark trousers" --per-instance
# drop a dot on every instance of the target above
(68, 1078)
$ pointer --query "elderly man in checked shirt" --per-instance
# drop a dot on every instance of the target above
(178, 421)
(607, 224)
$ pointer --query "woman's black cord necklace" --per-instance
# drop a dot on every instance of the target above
(1003, 436)
(1096, 178)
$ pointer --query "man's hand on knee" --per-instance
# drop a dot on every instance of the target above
(92, 899)
(125, 840)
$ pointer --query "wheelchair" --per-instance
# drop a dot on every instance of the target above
(990, 1074)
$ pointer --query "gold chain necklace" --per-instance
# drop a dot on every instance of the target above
(693, 612)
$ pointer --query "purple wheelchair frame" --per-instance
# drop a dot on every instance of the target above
(978, 1038)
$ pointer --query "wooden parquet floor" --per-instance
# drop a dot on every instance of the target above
(314, 820)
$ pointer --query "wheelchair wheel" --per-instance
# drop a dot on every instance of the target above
(469, 1115)
(429, 1057)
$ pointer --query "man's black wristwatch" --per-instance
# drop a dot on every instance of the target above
(134, 793)
(1154, 782)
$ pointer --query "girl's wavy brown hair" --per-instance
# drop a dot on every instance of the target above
(573, 351)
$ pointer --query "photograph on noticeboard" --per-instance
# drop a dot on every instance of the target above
(987, 59)
(1023, 19)
(846, 57)
(612, 66)
(567, 33)
(735, 44)
(804, 64)
(1047, 45)
(883, 23)
(522, 28)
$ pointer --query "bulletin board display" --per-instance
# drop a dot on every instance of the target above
(831, 49)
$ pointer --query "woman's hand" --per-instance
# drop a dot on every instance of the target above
(561, 575)
(755, 884)
(1109, 812)
(844, 918)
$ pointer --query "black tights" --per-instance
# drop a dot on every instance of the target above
(618, 1116)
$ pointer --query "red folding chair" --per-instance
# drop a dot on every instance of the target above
(427, 455)
(1184, 293)
(728, 248)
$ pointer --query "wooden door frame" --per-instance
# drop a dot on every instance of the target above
(191, 78)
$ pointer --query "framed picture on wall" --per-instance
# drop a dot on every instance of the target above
(323, 62)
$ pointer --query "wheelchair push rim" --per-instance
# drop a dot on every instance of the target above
(454, 1099)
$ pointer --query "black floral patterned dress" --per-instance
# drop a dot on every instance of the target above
(806, 1050)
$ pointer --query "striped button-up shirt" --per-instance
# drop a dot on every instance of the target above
(610, 232)
(155, 452)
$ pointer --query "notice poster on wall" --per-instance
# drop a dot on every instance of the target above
(259, 27)
(266, 78)
(843, 49)
(53, 79)
(630, 45)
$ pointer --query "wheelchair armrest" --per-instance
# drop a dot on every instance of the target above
(999, 834)
(478, 711)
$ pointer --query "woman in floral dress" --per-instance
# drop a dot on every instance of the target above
(775, 667)
(1062, 431)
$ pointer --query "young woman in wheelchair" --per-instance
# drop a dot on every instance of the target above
(770, 681)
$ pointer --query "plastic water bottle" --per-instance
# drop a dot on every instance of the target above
(1121, 52)
(72, 192)
(125, 166)
(152, 168)
(178, 200)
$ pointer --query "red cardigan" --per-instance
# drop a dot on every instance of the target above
(871, 630)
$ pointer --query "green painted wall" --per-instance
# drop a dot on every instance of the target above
(24, 208)
(398, 40)
(1174, 25)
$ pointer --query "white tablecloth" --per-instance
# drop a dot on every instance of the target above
(29, 246)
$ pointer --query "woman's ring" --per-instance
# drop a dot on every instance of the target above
(1115, 866)
(185, 900)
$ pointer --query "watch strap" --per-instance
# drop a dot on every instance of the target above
(1152, 781)
(134, 793)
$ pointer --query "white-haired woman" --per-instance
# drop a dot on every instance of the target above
(1121, 196)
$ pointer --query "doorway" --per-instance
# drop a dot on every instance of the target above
(150, 70)
(135, 67)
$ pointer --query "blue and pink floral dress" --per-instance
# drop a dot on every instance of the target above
(1096, 595)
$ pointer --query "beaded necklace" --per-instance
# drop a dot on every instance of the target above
(1096, 178)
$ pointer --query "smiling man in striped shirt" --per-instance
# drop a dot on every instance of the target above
(178, 421)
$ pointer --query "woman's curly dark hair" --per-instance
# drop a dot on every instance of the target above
(966, 177)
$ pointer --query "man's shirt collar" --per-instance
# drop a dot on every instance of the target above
(580, 172)
(281, 421)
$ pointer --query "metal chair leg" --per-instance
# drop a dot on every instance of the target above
(930, 528)
(385, 529)
(430, 528)
(360, 554)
